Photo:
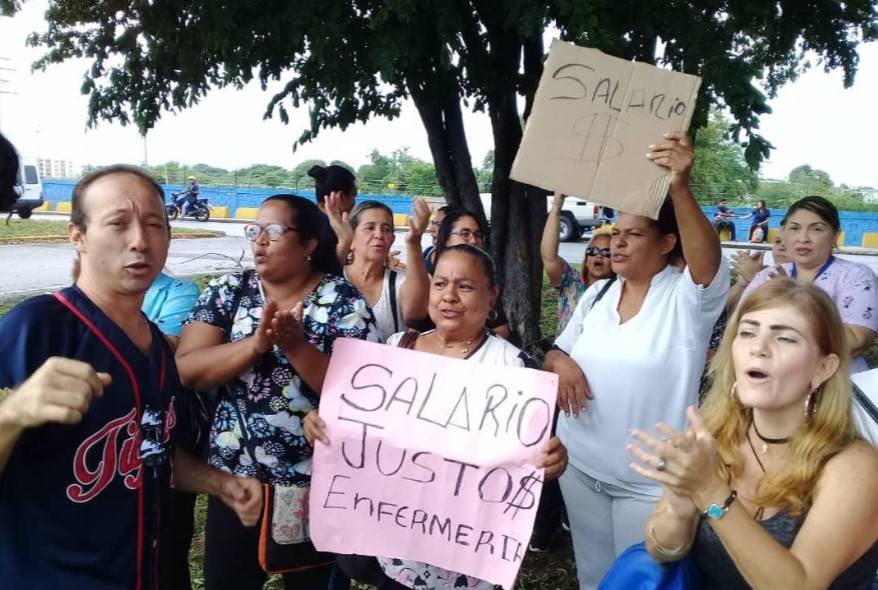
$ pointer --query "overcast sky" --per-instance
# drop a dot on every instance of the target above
(815, 121)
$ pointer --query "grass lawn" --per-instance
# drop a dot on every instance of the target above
(23, 231)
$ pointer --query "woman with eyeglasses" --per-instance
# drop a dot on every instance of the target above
(462, 227)
(398, 298)
(570, 284)
(263, 338)
(429, 253)
(632, 357)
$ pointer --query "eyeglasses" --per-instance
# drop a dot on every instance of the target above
(273, 230)
(595, 251)
(468, 233)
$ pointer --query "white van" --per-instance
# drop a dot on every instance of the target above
(29, 188)
(577, 215)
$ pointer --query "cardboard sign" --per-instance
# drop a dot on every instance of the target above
(431, 459)
(593, 120)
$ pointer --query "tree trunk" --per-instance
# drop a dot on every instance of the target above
(518, 213)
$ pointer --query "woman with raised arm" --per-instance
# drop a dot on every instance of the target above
(263, 338)
(633, 354)
(335, 188)
(398, 298)
(570, 284)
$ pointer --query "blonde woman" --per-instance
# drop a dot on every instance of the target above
(771, 487)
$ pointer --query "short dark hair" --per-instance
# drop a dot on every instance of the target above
(361, 208)
(484, 259)
(328, 179)
(819, 206)
(77, 210)
(8, 174)
(667, 224)
(447, 226)
(720, 201)
(312, 225)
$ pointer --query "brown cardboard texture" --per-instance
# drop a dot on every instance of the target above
(593, 120)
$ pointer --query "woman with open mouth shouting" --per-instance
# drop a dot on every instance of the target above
(633, 354)
(770, 487)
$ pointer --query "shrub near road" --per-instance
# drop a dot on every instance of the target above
(42, 231)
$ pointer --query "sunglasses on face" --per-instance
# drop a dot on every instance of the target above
(595, 251)
(273, 230)
(468, 233)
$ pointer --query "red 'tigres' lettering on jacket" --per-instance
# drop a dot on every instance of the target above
(113, 460)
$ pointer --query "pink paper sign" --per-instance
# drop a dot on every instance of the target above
(431, 459)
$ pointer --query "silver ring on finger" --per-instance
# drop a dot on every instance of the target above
(661, 465)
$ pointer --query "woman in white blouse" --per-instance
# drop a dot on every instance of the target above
(398, 298)
(632, 354)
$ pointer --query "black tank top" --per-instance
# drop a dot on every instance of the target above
(720, 573)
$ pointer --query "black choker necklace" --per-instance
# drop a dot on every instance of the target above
(768, 441)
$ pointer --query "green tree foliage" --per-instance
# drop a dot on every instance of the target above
(485, 174)
(302, 168)
(720, 170)
(343, 165)
(398, 173)
(803, 181)
(350, 61)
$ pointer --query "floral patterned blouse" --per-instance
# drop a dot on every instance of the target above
(274, 397)
(570, 291)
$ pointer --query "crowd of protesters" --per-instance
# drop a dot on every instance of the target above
(128, 393)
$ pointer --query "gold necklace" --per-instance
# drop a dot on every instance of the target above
(463, 349)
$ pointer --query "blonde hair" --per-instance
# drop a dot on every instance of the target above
(830, 428)
(595, 235)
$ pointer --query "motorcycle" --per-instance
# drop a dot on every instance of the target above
(200, 210)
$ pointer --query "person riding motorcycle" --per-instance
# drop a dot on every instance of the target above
(188, 197)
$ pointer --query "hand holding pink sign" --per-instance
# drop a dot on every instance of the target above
(430, 459)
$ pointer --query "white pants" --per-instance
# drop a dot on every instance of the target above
(604, 520)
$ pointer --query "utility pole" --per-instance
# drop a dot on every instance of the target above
(4, 63)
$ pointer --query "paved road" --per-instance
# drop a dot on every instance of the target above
(30, 269)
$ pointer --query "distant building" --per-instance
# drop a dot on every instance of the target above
(59, 169)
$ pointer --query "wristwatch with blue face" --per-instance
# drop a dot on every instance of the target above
(717, 511)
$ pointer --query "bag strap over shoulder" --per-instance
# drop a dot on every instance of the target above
(603, 291)
(392, 288)
(408, 339)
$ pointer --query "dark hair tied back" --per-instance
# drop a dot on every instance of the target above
(329, 179)
(311, 225)
(484, 259)
(667, 224)
(819, 206)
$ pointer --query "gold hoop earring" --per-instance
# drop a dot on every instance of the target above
(811, 404)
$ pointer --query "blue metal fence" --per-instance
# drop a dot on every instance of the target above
(854, 223)
(229, 196)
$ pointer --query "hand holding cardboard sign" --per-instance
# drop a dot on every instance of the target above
(676, 153)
